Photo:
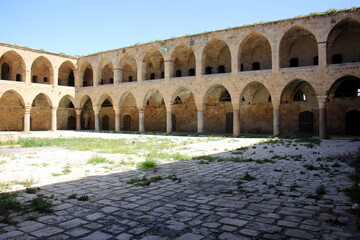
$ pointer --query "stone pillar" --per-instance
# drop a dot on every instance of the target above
(117, 118)
(27, 119)
(276, 121)
(200, 121)
(141, 120)
(97, 122)
(234, 60)
(54, 118)
(322, 116)
(322, 55)
(55, 77)
(236, 122)
(168, 121)
(169, 69)
(78, 119)
(117, 75)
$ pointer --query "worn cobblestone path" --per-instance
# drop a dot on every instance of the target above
(208, 203)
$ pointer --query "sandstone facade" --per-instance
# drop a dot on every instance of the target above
(292, 76)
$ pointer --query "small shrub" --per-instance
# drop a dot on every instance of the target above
(72, 196)
(31, 190)
(247, 177)
(41, 204)
(8, 203)
(96, 160)
(320, 190)
(147, 164)
(83, 198)
(227, 192)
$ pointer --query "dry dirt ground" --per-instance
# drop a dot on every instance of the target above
(213, 199)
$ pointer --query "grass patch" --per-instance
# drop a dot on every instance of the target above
(8, 203)
(97, 160)
(146, 165)
(41, 204)
(247, 177)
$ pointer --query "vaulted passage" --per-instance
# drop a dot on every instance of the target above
(184, 112)
(42, 71)
(107, 75)
(153, 65)
(107, 115)
(299, 105)
(129, 114)
(217, 104)
(87, 115)
(216, 57)
(40, 113)
(343, 42)
(11, 112)
(184, 61)
(128, 68)
(155, 112)
(256, 110)
(66, 115)
(87, 75)
(12, 67)
(67, 74)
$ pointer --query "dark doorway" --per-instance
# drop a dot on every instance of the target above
(71, 125)
(353, 122)
(71, 79)
(5, 71)
(173, 122)
(229, 122)
(105, 122)
(127, 123)
(306, 123)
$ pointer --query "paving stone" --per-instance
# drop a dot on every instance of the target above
(228, 228)
(11, 234)
(189, 236)
(233, 221)
(31, 228)
(124, 236)
(72, 223)
(249, 232)
(76, 232)
(299, 234)
(287, 223)
(109, 209)
(229, 236)
(97, 236)
(47, 231)
(94, 216)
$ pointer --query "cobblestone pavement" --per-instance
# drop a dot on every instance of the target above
(209, 202)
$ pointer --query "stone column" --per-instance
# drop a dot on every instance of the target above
(78, 119)
(27, 119)
(141, 120)
(117, 118)
(97, 122)
(117, 75)
(55, 77)
(276, 121)
(54, 118)
(168, 121)
(322, 55)
(169, 69)
(200, 121)
(236, 122)
(322, 116)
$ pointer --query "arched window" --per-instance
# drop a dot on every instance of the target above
(221, 69)
(191, 72)
(348, 89)
(269, 98)
(130, 79)
(152, 76)
(336, 59)
(101, 81)
(84, 83)
(18, 77)
(111, 80)
(71, 105)
(225, 97)
(316, 61)
(208, 70)
(162, 75)
(299, 96)
(46, 79)
(294, 62)
(106, 103)
(178, 73)
(255, 66)
(71, 79)
(5, 71)
(34, 79)
(241, 67)
(178, 101)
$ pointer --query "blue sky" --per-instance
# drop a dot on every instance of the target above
(80, 27)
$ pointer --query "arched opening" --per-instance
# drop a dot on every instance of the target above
(184, 60)
(66, 115)
(343, 42)
(154, 65)
(216, 55)
(217, 104)
(127, 123)
(128, 68)
(344, 97)
(129, 112)
(107, 74)
(87, 75)
(87, 115)
(256, 111)
(42, 69)
(12, 66)
(353, 123)
(107, 114)
(306, 123)
(41, 113)
(11, 111)
(298, 47)
(66, 74)
(255, 52)
(184, 111)
(155, 112)
(297, 100)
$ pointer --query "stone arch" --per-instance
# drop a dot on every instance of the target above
(42, 71)
(16, 67)
(128, 68)
(255, 53)
(155, 112)
(344, 96)
(106, 72)
(11, 111)
(153, 64)
(215, 111)
(66, 115)
(41, 113)
(343, 42)
(184, 61)
(87, 114)
(291, 107)
(256, 109)
(129, 108)
(86, 75)
(106, 113)
(184, 111)
(67, 73)
(216, 57)
(298, 48)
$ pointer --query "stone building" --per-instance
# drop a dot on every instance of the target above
(294, 76)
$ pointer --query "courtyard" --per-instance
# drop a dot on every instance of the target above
(135, 186)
